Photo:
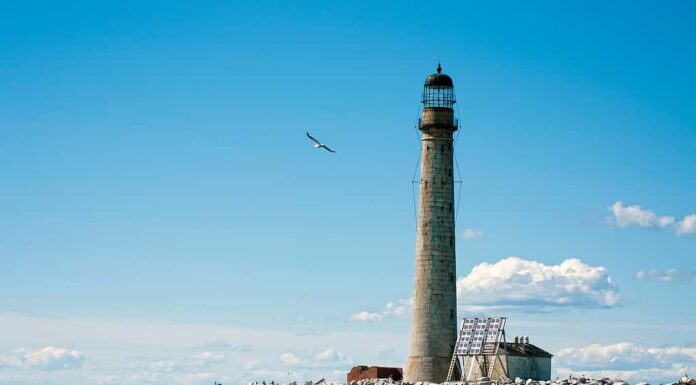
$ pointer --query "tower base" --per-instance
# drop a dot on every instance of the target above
(427, 369)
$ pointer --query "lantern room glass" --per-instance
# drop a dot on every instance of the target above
(438, 97)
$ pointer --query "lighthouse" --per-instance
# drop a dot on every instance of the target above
(434, 295)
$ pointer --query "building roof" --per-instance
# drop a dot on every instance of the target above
(526, 350)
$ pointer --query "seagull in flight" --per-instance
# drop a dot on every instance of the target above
(318, 143)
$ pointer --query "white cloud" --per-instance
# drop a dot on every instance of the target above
(626, 360)
(365, 316)
(289, 359)
(130, 352)
(334, 357)
(515, 283)
(207, 358)
(329, 358)
(221, 344)
(48, 358)
(625, 216)
(518, 284)
(161, 372)
(253, 365)
(471, 233)
(398, 309)
(181, 370)
(166, 366)
(634, 215)
(668, 276)
(687, 225)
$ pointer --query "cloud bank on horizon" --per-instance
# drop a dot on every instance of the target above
(626, 360)
(635, 216)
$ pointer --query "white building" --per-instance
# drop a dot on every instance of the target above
(514, 359)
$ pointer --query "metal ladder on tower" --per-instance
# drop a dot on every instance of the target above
(453, 363)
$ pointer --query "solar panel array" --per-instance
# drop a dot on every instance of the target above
(479, 336)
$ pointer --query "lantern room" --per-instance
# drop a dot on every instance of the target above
(438, 91)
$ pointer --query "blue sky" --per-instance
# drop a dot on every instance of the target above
(155, 176)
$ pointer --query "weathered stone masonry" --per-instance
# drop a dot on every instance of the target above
(434, 296)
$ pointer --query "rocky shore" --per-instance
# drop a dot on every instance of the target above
(686, 380)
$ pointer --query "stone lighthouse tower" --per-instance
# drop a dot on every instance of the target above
(434, 325)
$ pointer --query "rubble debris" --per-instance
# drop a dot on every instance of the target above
(363, 372)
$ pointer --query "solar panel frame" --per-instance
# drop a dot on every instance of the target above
(479, 333)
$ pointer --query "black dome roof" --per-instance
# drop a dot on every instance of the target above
(439, 79)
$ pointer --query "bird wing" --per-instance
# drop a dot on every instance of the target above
(313, 138)
(327, 149)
